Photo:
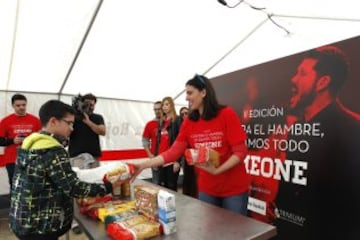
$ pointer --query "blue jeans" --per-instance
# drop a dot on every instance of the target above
(236, 203)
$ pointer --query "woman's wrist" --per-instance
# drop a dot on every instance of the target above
(155, 161)
(151, 162)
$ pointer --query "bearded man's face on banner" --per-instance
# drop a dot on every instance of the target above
(303, 89)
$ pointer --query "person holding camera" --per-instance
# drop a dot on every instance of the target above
(85, 138)
(88, 126)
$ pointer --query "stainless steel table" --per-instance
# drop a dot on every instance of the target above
(195, 220)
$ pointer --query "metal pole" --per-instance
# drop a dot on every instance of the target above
(80, 48)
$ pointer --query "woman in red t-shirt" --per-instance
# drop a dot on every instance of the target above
(218, 127)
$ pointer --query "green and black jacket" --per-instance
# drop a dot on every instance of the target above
(44, 186)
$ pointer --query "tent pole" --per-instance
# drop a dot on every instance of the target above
(80, 48)
(317, 18)
(13, 47)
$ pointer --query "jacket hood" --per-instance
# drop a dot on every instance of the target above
(39, 141)
(34, 147)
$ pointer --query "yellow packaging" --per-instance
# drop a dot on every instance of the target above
(145, 230)
(110, 209)
(133, 221)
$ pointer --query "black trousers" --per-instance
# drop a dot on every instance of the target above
(168, 178)
(10, 168)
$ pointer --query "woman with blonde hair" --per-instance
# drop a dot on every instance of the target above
(169, 129)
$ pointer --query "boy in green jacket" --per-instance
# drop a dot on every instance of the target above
(44, 184)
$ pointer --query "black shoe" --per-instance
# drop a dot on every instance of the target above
(77, 230)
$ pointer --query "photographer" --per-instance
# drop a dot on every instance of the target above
(84, 139)
(87, 128)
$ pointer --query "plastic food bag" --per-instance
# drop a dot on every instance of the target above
(202, 155)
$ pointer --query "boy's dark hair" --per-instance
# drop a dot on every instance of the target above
(18, 96)
(54, 108)
(89, 96)
(211, 105)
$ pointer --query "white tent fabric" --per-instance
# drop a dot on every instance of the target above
(140, 50)
(131, 53)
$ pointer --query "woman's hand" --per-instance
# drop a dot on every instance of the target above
(176, 167)
(209, 168)
(149, 163)
(139, 167)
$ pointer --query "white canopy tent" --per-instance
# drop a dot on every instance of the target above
(131, 53)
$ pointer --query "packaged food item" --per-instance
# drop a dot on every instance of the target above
(146, 200)
(166, 200)
(137, 229)
(126, 189)
(120, 217)
(91, 200)
(116, 192)
(202, 155)
(113, 208)
(167, 216)
(123, 173)
(90, 206)
(132, 221)
(167, 211)
(168, 227)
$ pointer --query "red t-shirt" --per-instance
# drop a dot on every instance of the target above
(222, 133)
(150, 131)
(164, 139)
(14, 125)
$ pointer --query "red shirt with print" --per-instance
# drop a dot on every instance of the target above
(14, 125)
(223, 134)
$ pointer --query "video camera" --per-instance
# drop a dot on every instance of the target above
(80, 105)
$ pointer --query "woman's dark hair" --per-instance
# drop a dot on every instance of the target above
(211, 105)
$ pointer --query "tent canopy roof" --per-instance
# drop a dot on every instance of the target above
(145, 50)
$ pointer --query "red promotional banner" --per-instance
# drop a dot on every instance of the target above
(302, 117)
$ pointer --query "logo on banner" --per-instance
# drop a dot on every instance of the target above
(289, 217)
(257, 205)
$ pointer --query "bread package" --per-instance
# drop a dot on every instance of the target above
(202, 155)
(123, 172)
(146, 200)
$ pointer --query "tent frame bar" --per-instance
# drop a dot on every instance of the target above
(80, 47)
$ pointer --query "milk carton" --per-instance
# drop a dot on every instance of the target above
(167, 211)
